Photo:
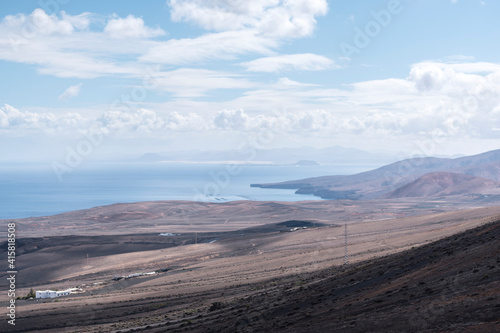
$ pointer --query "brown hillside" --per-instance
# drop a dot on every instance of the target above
(443, 184)
(382, 181)
(447, 286)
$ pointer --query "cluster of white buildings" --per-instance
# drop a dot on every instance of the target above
(54, 293)
(59, 293)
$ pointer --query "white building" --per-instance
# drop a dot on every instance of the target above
(52, 293)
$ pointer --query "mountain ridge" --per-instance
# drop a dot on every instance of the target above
(436, 184)
(379, 182)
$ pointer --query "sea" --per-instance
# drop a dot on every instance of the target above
(28, 190)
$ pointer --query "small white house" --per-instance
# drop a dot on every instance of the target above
(52, 293)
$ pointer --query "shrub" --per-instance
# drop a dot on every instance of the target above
(216, 306)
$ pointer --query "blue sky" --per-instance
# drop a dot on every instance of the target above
(418, 77)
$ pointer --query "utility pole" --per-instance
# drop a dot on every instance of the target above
(346, 259)
(196, 237)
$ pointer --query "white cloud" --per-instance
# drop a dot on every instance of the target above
(460, 57)
(436, 100)
(146, 121)
(285, 83)
(274, 18)
(142, 120)
(62, 46)
(430, 76)
(80, 22)
(451, 98)
(71, 92)
(215, 46)
(130, 27)
(302, 61)
(121, 123)
(189, 82)
(39, 23)
(231, 119)
(189, 122)
(16, 122)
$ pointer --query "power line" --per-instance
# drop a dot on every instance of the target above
(346, 259)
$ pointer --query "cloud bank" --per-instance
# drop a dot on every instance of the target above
(434, 100)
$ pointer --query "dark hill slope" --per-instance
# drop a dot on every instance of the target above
(443, 184)
(452, 285)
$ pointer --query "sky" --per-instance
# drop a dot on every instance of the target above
(105, 79)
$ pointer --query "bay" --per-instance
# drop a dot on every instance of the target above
(35, 190)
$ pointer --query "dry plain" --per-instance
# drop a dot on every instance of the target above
(222, 254)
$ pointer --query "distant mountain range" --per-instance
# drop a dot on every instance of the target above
(417, 177)
(298, 156)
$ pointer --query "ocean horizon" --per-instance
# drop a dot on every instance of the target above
(35, 190)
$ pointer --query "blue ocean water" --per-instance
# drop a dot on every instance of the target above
(29, 191)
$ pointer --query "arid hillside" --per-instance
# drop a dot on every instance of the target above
(437, 184)
(451, 285)
(401, 276)
(379, 182)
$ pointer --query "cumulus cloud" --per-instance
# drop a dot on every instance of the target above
(130, 27)
(189, 122)
(453, 79)
(71, 92)
(231, 119)
(445, 100)
(437, 100)
(430, 77)
(289, 19)
(145, 121)
(302, 61)
(142, 120)
(19, 122)
(40, 23)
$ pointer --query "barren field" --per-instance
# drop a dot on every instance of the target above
(187, 216)
(239, 266)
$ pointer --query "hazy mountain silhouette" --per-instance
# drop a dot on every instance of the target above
(382, 181)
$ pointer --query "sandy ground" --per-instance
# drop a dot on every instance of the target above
(184, 216)
(237, 265)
